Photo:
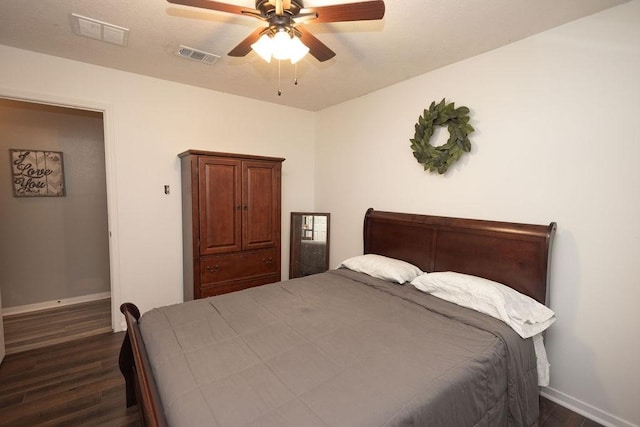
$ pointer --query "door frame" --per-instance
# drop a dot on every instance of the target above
(110, 170)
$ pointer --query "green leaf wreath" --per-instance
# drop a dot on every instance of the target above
(457, 122)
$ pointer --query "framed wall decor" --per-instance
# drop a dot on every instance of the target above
(37, 173)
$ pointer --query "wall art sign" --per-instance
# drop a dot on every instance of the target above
(37, 173)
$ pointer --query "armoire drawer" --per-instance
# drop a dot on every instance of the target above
(239, 265)
(212, 289)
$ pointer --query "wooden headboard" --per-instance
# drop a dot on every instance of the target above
(516, 255)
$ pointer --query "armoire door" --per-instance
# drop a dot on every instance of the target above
(220, 200)
(261, 204)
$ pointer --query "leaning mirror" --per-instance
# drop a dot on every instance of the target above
(309, 244)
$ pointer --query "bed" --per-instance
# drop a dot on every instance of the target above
(345, 348)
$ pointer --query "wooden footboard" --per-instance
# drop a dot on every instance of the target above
(135, 367)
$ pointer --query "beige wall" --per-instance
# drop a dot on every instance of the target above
(557, 139)
(53, 248)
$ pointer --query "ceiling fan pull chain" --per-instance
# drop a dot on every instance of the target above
(295, 74)
(279, 90)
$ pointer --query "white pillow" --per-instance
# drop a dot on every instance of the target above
(525, 315)
(382, 267)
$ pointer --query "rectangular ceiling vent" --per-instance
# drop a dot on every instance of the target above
(197, 55)
(98, 30)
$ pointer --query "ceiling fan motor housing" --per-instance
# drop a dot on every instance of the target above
(268, 9)
(277, 22)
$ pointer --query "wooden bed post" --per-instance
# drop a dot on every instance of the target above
(126, 361)
(135, 367)
(126, 367)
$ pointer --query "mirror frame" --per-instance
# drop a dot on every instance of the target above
(295, 238)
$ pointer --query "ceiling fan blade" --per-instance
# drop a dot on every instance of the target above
(301, 18)
(317, 49)
(216, 5)
(245, 45)
(360, 11)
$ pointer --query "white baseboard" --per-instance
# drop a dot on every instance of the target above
(582, 408)
(55, 303)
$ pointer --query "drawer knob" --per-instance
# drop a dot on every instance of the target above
(212, 269)
(267, 260)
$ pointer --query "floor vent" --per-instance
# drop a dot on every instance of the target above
(197, 55)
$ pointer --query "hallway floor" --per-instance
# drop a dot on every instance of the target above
(44, 328)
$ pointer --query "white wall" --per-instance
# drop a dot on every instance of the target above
(557, 139)
(147, 123)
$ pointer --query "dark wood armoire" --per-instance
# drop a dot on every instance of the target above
(231, 221)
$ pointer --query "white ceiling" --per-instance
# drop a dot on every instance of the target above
(415, 36)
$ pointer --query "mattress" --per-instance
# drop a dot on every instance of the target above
(338, 349)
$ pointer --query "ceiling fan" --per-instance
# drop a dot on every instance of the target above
(285, 18)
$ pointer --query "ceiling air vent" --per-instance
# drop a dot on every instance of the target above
(103, 31)
(197, 55)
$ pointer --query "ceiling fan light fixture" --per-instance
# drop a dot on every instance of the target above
(264, 47)
(298, 50)
(281, 45)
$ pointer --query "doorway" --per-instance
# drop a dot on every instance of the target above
(54, 249)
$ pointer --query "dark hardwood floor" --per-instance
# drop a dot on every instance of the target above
(56, 325)
(554, 415)
(79, 383)
(71, 384)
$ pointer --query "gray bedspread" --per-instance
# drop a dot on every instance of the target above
(338, 349)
